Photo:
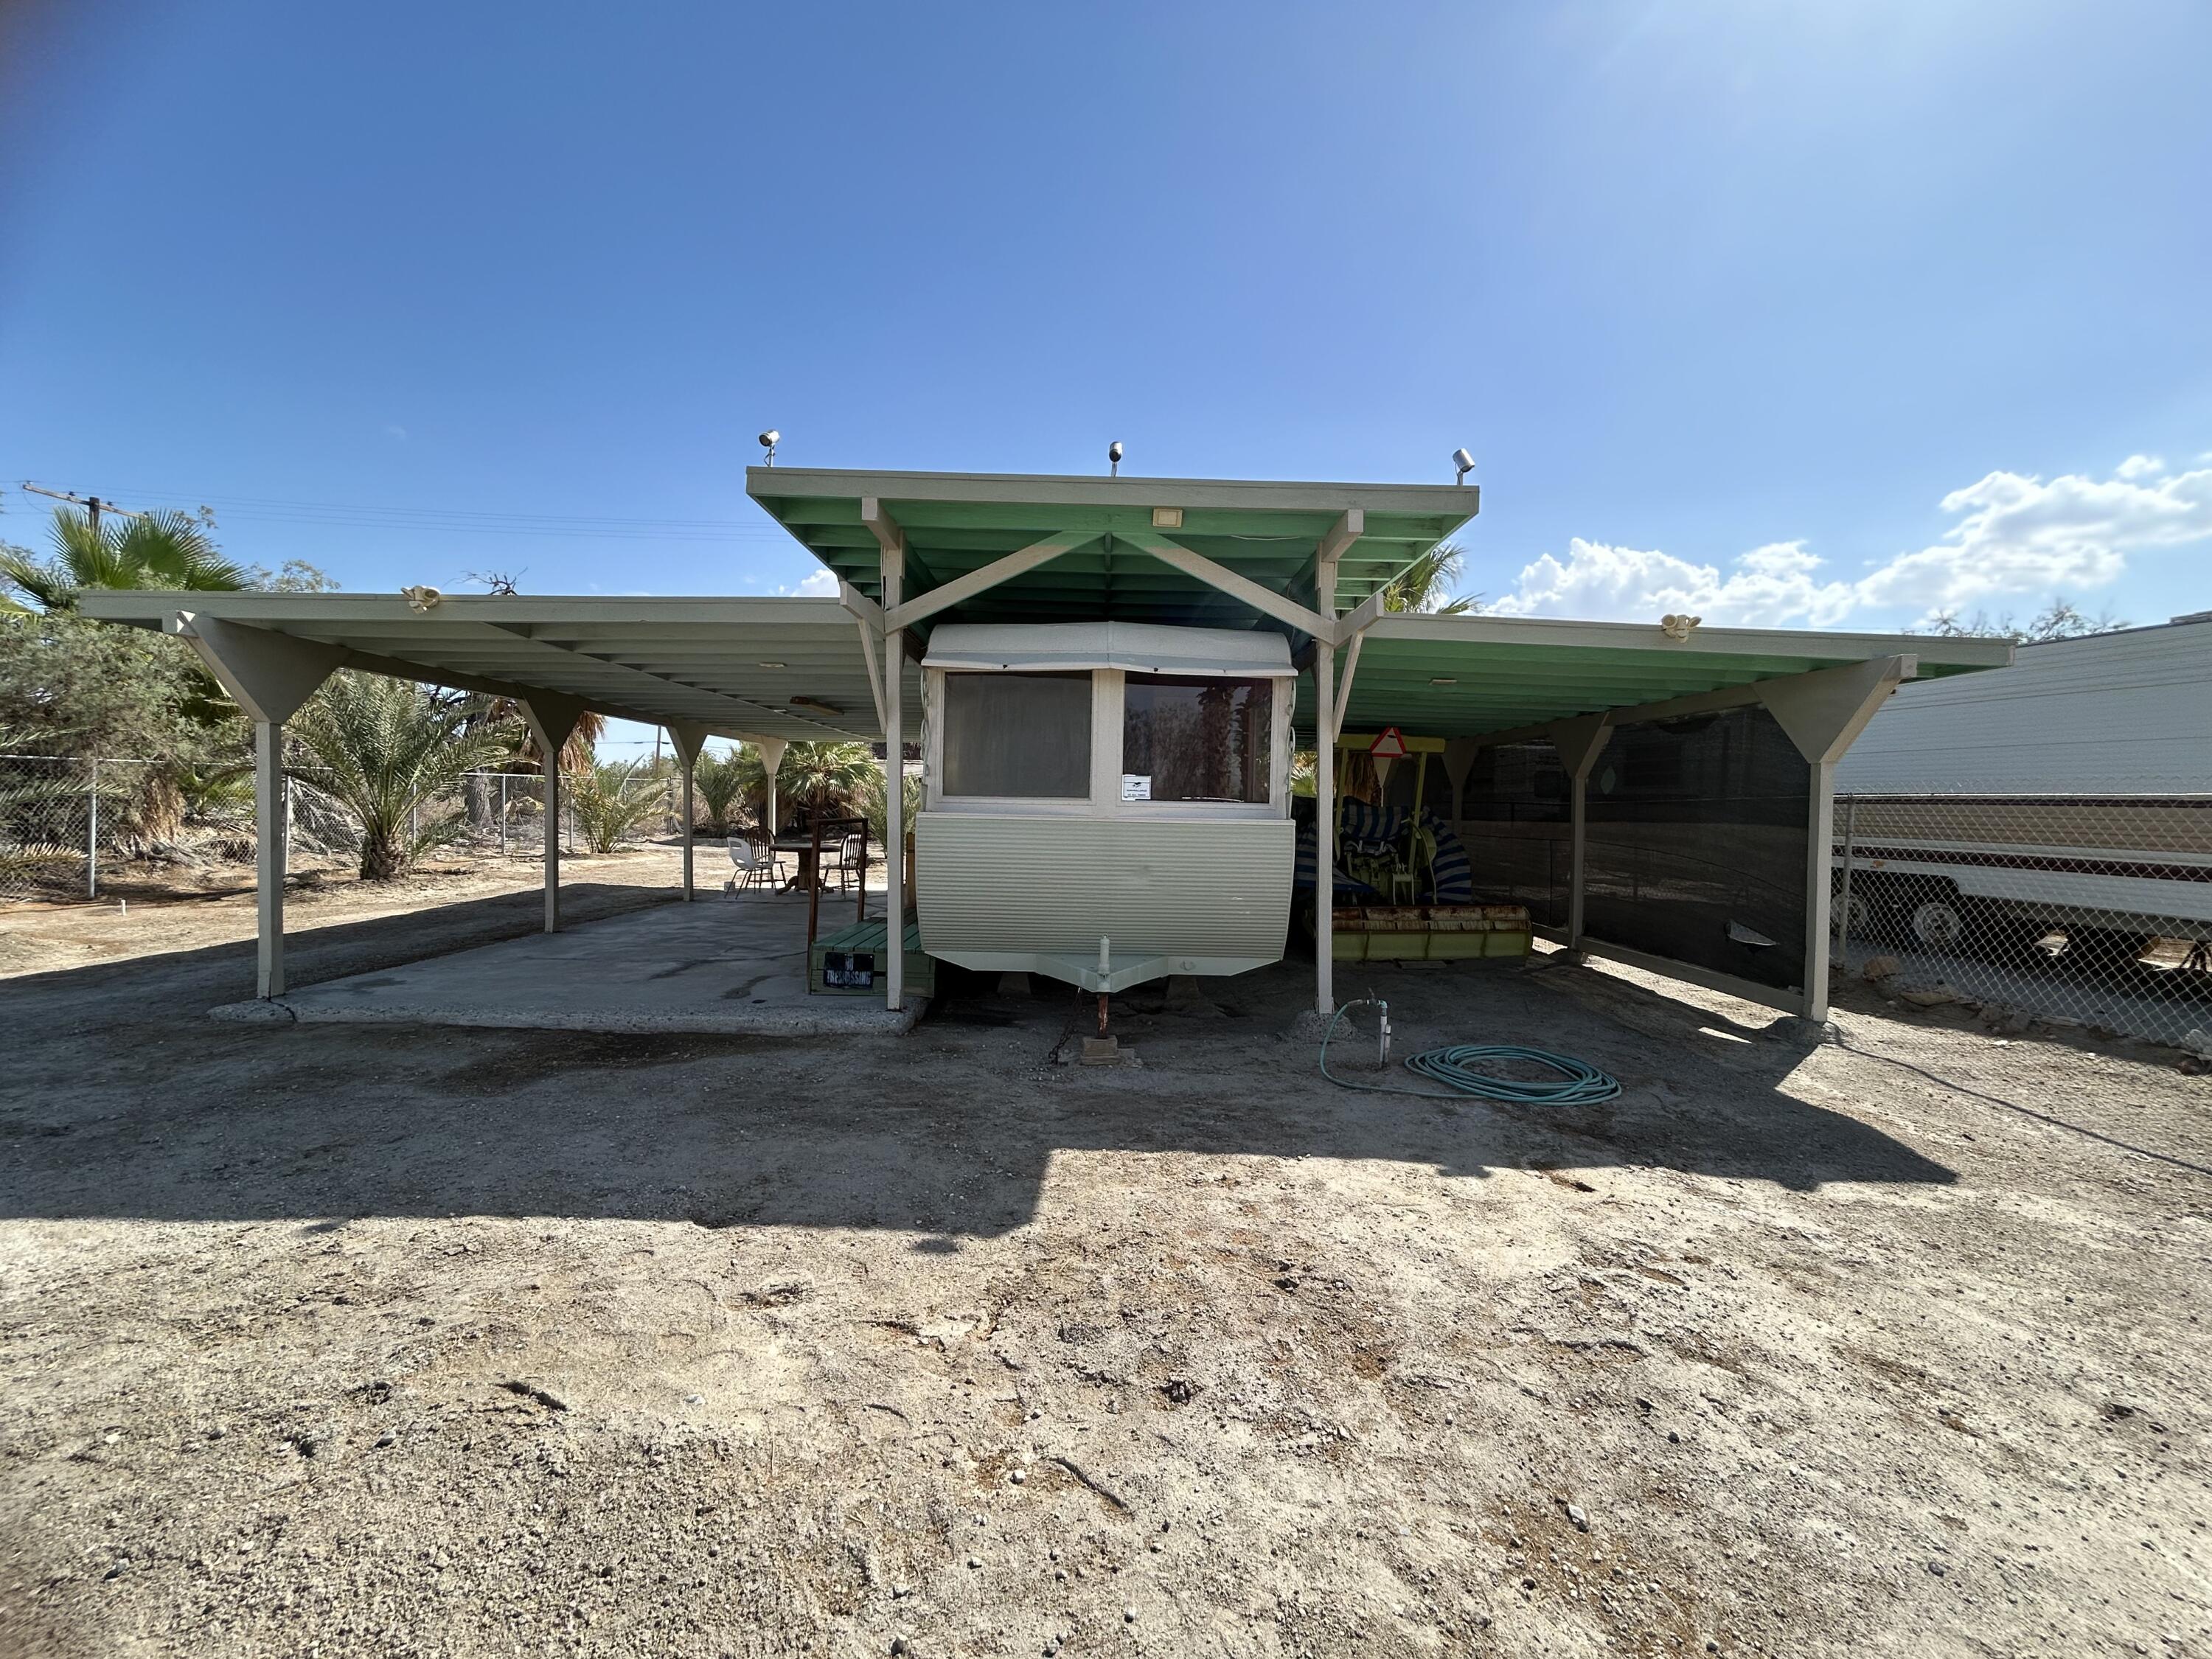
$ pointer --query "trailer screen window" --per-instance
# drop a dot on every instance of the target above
(1198, 737)
(1023, 736)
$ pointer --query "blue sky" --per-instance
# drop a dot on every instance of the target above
(1808, 313)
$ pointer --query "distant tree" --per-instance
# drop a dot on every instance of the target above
(2059, 620)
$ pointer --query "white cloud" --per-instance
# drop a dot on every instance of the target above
(1768, 586)
(818, 585)
(2015, 536)
(2141, 466)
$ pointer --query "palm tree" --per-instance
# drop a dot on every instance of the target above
(613, 798)
(721, 782)
(383, 750)
(1425, 585)
(155, 550)
(826, 775)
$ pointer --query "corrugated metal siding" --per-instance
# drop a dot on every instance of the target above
(2115, 713)
(1056, 884)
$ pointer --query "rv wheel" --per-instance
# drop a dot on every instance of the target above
(1937, 924)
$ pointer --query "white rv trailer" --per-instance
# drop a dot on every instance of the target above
(1107, 802)
(2073, 791)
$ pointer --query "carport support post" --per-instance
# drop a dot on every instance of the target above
(1325, 724)
(270, 676)
(1578, 742)
(552, 722)
(893, 789)
(1823, 713)
(689, 737)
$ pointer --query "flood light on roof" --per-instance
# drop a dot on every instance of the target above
(1114, 458)
(1464, 463)
(769, 440)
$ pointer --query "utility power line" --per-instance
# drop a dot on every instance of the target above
(91, 504)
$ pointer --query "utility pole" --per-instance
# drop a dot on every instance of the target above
(93, 505)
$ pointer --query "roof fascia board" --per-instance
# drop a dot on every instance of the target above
(1458, 503)
(146, 608)
(1933, 651)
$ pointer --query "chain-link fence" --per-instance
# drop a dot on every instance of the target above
(60, 815)
(2088, 909)
(68, 824)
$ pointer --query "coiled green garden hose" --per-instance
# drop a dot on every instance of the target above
(1581, 1085)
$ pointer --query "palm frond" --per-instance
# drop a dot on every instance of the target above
(173, 549)
(1425, 585)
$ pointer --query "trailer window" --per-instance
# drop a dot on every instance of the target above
(1018, 735)
(1196, 738)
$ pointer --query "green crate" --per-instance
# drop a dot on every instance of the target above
(865, 939)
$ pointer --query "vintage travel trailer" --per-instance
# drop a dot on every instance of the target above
(1107, 802)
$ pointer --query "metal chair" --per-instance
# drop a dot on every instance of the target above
(849, 869)
(752, 868)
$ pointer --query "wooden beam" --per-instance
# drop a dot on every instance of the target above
(889, 538)
(1342, 535)
(1354, 623)
(1265, 600)
(988, 576)
(1343, 700)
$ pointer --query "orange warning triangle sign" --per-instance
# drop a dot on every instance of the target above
(1389, 746)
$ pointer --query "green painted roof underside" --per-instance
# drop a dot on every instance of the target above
(954, 523)
(1509, 672)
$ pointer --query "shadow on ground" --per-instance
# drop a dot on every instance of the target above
(126, 1102)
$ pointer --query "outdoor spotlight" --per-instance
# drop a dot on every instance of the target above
(1114, 458)
(1464, 462)
(769, 439)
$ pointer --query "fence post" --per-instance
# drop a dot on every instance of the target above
(1843, 898)
(92, 834)
(503, 815)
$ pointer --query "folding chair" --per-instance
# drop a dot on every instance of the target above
(753, 867)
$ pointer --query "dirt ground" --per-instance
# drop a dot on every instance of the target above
(347, 1340)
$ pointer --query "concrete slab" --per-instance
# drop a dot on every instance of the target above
(731, 966)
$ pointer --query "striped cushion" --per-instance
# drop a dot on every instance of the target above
(1377, 828)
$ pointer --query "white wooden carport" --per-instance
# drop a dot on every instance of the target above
(765, 671)
(909, 549)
